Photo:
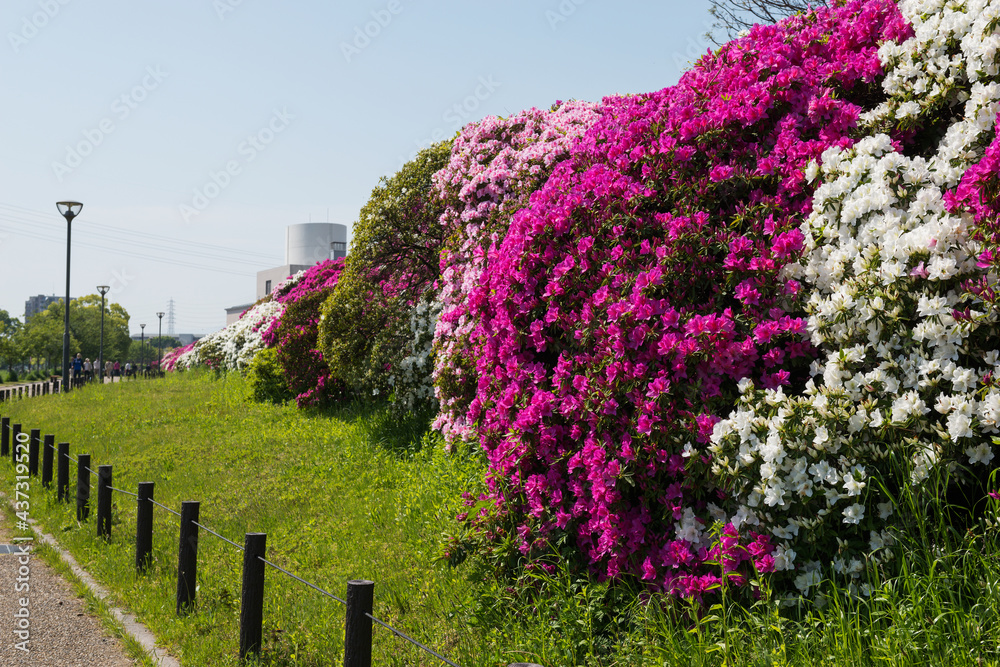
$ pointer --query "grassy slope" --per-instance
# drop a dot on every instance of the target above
(334, 508)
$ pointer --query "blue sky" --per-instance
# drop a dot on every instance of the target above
(137, 109)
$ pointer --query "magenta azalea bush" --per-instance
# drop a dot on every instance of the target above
(495, 165)
(172, 360)
(750, 310)
(644, 281)
(294, 336)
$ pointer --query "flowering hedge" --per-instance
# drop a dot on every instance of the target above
(172, 359)
(894, 264)
(294, 335)
(233, 347)
(369, 322)
(644, 281)
(724, 322)
(495, 165)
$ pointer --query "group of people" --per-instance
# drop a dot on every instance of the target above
(85, 371)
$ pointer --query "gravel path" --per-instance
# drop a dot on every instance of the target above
(62, 633)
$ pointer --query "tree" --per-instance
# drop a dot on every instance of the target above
(167, 342)
(393, 263)
(135, 353)
(733, 16)
(41, 337)
(85, 325)
(9, 328)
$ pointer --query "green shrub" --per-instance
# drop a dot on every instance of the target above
(267, 383)
(393, 263)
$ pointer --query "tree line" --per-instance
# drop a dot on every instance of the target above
(37, 343)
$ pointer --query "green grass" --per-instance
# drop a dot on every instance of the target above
(352, 494)
(334, 506)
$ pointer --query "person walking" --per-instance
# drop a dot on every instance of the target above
(118, 369)
(108, 367)
(77, 368)
(88, 370)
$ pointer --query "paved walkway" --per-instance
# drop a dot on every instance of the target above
(60, 632)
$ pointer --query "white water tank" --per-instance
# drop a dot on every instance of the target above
(313, 242)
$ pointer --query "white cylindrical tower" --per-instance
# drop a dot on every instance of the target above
(312, 242)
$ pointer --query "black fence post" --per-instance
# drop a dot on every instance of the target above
(104, 502)
(4, 436)
(357, 626)
(252, 600)
(36, 434)
(62, 472)
(15, 430)
(144, 527)
(82, 487)
(187, 556)
(48, 449)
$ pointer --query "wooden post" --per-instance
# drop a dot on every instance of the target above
(36, 434)
(252, 600)
(357, 626)
(62, 472)
(15, 430)
(104, 502)
(48, 450)
(144, 527)
(4, 436)
(187, 556)
(82, 487)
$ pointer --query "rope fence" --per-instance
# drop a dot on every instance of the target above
(359, 602)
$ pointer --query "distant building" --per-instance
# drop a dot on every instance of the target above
(305, 245)
(186, 339)
(233, 312)
(37, 304)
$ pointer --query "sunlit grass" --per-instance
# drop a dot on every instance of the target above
(358, 494)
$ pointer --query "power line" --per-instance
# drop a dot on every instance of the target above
(145, 236)
(129, 253)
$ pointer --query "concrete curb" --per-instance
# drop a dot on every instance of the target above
(133, 627)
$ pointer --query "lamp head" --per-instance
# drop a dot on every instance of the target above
(160, 315)
(142, 326)
(69, 209)
(103, 289)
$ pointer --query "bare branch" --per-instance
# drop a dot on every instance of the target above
(733, 16)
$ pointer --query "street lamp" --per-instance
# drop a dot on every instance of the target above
(142, 347)
(159, 343)
(103, 289)
(69, 210)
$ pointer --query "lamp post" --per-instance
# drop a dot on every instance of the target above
(142, 347)
(69, 210)
(103, 289)
(159, 344)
